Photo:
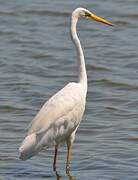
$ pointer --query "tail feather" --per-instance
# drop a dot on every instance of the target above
(34, 143)
(27, 148)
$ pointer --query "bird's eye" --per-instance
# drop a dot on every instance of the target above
(87, 14)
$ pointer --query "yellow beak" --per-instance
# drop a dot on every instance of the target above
(99, 19)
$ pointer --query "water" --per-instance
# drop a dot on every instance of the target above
(37, 58)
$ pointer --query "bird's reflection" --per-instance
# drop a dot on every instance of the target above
(58, 177)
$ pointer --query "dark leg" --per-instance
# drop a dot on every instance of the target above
(55, 158)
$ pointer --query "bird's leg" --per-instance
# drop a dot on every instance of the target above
(55, 158)
(69, 142)
(69, 146)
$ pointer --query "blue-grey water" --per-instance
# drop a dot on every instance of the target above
(37, 58)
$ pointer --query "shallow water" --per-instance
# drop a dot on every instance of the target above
(38, 58)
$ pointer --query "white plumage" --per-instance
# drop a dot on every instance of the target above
(59, 118)
(56, 120)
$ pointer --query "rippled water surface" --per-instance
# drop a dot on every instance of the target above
(37, 58)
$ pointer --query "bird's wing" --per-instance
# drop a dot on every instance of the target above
(58, 106)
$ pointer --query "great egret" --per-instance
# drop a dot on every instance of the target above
(59, 118)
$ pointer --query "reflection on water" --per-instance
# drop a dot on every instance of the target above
(37, 58)
(70, 177)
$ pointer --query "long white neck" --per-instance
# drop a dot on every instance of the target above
(82, 77)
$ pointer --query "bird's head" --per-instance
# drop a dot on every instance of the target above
(84, 13)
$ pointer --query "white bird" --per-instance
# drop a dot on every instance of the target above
(59, 118)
